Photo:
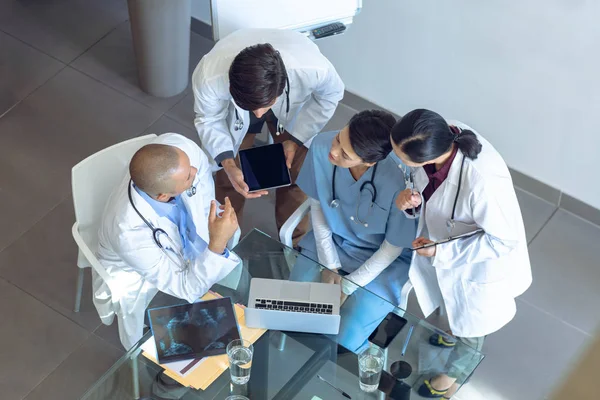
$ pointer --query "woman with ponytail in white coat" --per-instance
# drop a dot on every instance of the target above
(462, 185)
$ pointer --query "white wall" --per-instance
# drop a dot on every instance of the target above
(201, 10)
(525, 74)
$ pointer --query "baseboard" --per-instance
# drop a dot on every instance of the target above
(520, 180)
(579, 208)
(535, 187)
(202, 28)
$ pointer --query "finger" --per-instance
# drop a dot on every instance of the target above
(228, 207)
(252, 195)
(221, 207)
(212, 215)
(243, 184)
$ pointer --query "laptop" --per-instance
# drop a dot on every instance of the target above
(294, 306)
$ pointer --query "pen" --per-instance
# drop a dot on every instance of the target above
(346, 395)
(410, 331)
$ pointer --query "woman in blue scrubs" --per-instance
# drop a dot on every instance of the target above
(352, 182)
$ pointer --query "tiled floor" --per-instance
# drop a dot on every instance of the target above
(68, 88)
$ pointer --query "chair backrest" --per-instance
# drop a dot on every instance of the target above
(94, 179)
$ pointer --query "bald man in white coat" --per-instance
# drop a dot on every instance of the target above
(156, 195)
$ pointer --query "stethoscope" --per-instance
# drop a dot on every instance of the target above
(335, 203)
(238, 124)
(157, 233)
(451, 223)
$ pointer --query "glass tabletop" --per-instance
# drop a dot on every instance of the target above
(292, 365)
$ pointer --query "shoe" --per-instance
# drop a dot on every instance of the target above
(445, 341)
(427, 391)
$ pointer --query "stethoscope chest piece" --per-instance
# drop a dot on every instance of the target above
(450, 225)
(335, 203)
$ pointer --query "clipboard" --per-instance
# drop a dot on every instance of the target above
(449, 239)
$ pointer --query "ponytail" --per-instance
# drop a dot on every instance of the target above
(423, 135)
(468, 143)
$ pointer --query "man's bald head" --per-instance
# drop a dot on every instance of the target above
(159, 169)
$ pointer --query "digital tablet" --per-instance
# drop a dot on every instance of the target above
(194, 330)
(264, 167)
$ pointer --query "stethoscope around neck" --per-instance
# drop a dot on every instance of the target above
(451, 223)
(169, 248)
(238, 125)
(335, 202)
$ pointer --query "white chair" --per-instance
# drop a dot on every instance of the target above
(93, 180)
(287, 229)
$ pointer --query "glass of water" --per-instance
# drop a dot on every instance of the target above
(370, 365)
(240, 352)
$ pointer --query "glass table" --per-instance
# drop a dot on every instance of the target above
(287, 365)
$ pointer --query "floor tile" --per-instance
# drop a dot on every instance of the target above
(524, 358)
(536, 212)
(110, 334)
(565, 271)
(27, 68)
(52, 278)
(63, 29)
(166, 124)
(70, 117)
(36, 339)
(340, 118)
(78, 372)
(112, 62)
(183, 112)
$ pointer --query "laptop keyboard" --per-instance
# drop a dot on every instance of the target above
(293, 306)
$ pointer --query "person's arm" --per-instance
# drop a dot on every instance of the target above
(211, 117)
(371, 268)
(155, 267)
(326, 250)
(494, 209)
(319, 109)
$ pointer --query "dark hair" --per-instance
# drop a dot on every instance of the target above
(369, 133)
(424, 135)
(257, 76)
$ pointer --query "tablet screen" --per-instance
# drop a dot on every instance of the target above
(264, 167)
(193, 330)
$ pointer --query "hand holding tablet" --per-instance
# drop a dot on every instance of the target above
(265, 167)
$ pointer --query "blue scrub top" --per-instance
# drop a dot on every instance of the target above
(385, 221)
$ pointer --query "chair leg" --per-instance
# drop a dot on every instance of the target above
(135, 375)
(79, 290)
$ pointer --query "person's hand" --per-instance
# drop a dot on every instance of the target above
(289, 150)
(221, 228)
(330, 276)
(427, 252)
(407, 199)
(236, 177)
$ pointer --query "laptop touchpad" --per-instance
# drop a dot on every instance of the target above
(295, 291)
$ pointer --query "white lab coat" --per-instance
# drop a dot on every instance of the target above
(315, 90)
(478, 278)
(128, 252)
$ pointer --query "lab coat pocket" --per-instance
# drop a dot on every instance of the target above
(488, 306)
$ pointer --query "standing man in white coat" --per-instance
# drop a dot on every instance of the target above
(463, 186)
(255, 76)
(160, 232)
